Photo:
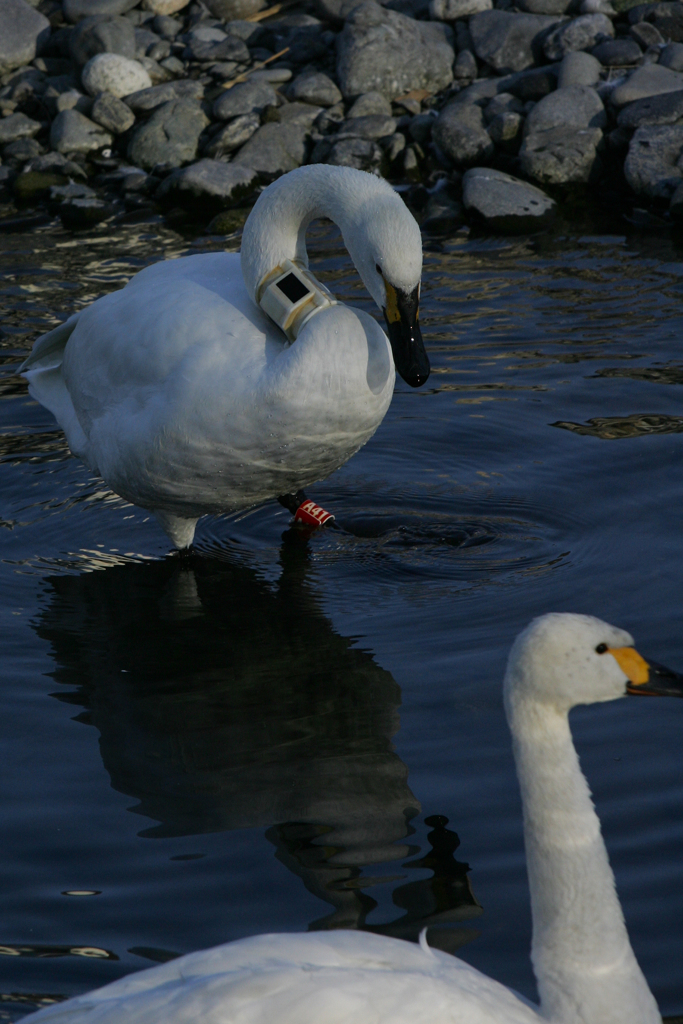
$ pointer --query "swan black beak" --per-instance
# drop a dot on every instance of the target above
(401, 314)
(646, 678)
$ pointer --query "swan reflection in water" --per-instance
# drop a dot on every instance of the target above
(226, 701)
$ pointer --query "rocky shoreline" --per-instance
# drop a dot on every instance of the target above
(483, 112)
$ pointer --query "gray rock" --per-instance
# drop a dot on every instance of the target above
(17, 126)
(244, 30)
(72, 132)
(577, 106)
(451, 10)
(580, 33)
(533, 84)
(651, 166)
(299, 113)
(76, 10)
(168, 28)
(597, 7)
(394, 146)
(234, 10)
(23, 33)
(55, 163)
(676, 204)
(233, 135)
(370, 103)
(578, 68)
(149, 99)
(505, 203)
(506, 130)
(163, 8)
(544, 6)
(210, 183)
(384, 51)
(80, 214)
(646, 35)
(110, 72)
(314, 87)
(112, 113)
(274, 149)
(442, 214)
(503, 103)
(144, 41)
(650, 80)
(420, 128)
(363, 154)
(372, 126)
(22, 150)
(74, 190)
(101, 34)
(228, 48)
(74, 100)
(509, 42)
(459, 133)
(245, 98)
(618, 53)
(671, 56)
(561, 156)
(170, 138)
(275, 76)
(465, 65)
(667, 108)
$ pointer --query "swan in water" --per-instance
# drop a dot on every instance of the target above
(214, 382)
(585, 967)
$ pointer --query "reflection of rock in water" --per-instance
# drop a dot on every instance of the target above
(226, 702)
(611, 428)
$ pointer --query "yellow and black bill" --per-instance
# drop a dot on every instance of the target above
(646, 678)
(401, 314)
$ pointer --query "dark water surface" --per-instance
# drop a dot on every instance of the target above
(271, 735)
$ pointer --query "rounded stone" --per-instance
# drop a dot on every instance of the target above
(23, 32)
(672, 56)
(76, 10)
(618, 53)
(459, 133)
(578, 68)
(370, 103)
(164, 7)
(577, 106)
(649, 80)
(451, 10)
(109, 72)
(505, 203)
(580, 33)
(315, 87)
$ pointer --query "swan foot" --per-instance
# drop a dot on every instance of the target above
(180, 531)
(305, 511)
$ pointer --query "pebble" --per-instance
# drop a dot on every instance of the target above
(370, 103)
(149, 99)
(314, 87)
(618, 53)
(23, 34)
(110, 112)
(561, 156)
(672, 57)
(576, 106)
(233, 135)
(17, 126)
(372, 126)
(163, 8)
(80, 214)
(110, 72)
(650, 80)
(509, 42)
(245, 98)
(505, 203)
(169, 138)
(101, 34)
(667, 108)
(232, 10)
(76, 10)
(22, 150)
(651, 163)
(383, 51)
(646, 35)
(211, 183)
(580, 33)
(578, 68)
(459, 133)
(451, 10)
(274, 149)
(72, 132)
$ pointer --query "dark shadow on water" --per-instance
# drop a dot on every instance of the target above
(226, 701)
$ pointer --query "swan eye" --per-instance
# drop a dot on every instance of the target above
(601, 648)
(378, 269)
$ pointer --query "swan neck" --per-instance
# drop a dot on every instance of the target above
(585, 967)
(275, 230)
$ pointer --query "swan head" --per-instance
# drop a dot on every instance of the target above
(563, 659)
(385, 244)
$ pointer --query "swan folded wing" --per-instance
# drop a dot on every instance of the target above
(344, 978)
(49, 348)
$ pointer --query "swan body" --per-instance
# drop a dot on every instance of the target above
(585, 967)
(188, 399)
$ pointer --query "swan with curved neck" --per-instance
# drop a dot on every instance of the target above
(215, 382)
(583, 960)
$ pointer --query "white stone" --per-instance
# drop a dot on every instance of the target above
(109, 72)
(164, 6)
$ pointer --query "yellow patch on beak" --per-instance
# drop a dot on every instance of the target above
(631, 664)
(392, 314)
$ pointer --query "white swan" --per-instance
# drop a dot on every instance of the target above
(205, 387)
(584, 964)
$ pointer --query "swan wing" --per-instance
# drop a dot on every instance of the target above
(317, 978)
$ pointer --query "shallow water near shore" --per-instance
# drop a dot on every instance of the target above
(282, 733)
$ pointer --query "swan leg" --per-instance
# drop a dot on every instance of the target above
(181, 531)
(305, 511)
